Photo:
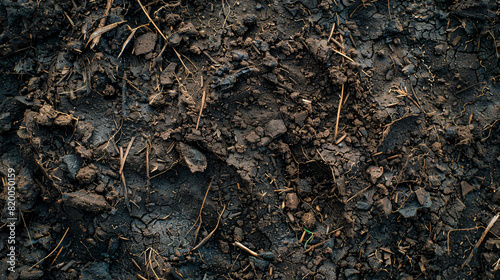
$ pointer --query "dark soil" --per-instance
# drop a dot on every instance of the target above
(114, 161)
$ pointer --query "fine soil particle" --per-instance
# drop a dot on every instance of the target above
(331, 139)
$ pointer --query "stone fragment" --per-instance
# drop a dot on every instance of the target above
(240, 55)
(275, 128)
(73, 163)
(145, 43)
(424, 197)
(363, 206)
(300, 117)
(167, 76)
(175, 39)
(268, 256)
(192, 158)
(410, 210)
(466, 188)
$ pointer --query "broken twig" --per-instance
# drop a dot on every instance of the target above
(490, 225)
(245, 248)
(102, 30)
(211, 233)
(95, 41)
(201, 109)
(338, 114)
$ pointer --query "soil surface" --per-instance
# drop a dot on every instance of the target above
(309, 139)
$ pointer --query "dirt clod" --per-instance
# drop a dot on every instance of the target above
(85, 200)
(292, 201)
(192, 158)
(145, 43)
(275, 128)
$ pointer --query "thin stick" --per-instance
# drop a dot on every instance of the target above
(201, 209)
(52, 250)
(122, 163)
(57, 255)
(125, 191)
(101, 30)
(129, 38)
(361, 191)
(148, 151)
(211, 58)
(70, 21)
(95, 41)
(331, 33)
(228, 13)
(244, 248)
(389, 8)
(180, 58)
(211, 233)
(315, 246)
(201, 109)
(154, 24)
(492, 222)
(302, 237)
(343, 55)
(123, 158)
(338, 114)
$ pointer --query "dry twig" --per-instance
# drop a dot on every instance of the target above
(123, 158)
(95, 41)
(338, 114)
(201, 109)
(212, 232)
(490, 225)
(102, 30)
(245, 248)
(58, 244)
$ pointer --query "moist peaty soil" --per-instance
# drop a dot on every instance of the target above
(154, 151)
